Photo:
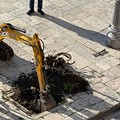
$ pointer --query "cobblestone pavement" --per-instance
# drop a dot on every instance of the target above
(75, 26)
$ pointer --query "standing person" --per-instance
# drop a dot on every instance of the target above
(31, 6)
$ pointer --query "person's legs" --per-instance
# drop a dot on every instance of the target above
(31, 6)
(40, 2)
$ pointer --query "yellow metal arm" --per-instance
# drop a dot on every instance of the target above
(39, 57)
(9, 31)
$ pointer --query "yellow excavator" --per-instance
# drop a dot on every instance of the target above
(7, 30)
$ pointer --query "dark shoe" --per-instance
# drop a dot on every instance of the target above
(30, 12)
(41, 12)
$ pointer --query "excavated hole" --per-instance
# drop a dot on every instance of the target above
(61, 81)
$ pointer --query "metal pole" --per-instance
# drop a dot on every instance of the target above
(113, 36)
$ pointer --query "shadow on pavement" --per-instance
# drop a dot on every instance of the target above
(88, 34)
(84, 106)
(11, 69)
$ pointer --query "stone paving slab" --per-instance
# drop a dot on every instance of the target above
(112, 116)
(78, 27)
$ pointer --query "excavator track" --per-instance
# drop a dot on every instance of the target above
(6, 52)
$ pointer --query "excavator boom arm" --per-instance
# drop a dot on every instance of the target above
(9, 31)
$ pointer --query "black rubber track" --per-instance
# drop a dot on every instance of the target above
(6, 52)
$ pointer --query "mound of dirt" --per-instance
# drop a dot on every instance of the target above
(60, 80)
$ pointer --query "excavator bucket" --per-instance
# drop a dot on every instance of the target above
(46, 102)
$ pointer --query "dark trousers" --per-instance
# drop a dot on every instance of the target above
(31, 4)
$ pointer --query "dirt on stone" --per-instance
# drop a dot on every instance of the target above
(60, 80)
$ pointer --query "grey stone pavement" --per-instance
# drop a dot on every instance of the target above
(78, 27)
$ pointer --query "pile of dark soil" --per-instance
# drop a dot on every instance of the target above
(61, 81)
